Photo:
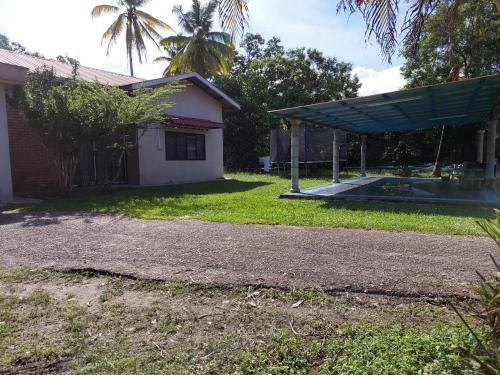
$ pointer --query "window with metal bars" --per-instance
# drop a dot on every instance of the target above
(184, 146)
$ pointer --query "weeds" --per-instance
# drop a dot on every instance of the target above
(483, 355)
(186, 329)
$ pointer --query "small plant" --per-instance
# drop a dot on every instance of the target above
(484, 356)
(492, 227)
(40, 297)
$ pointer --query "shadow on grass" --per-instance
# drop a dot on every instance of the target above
(198, 188)
(410, 208)
(132, 200)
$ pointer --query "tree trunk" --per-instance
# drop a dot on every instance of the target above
(436, 171)
(118, 168)
(67, 168)
(130, 62)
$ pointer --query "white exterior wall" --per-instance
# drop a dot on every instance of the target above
(154, 169)
(196, 103)
(5, 173)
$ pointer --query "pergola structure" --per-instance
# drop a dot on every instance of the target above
(465, 102)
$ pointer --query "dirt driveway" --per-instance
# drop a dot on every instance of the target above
(402, 263)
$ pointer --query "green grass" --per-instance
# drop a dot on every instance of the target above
(253, 198)
(144, 327)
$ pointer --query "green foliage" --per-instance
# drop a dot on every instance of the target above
(472, 46)
(267, 77)
(354, 349)
(5, 43)
(492, 227)
(404, 153)
(243, 129)
(484, 355)
(469, 45)
(382, 21)
(71, 61)
(233, 15)
(203, 51)
(40, 297)
(392, 350)
(208, 330)
(70, 113)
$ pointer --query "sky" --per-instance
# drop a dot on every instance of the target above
(65, 27)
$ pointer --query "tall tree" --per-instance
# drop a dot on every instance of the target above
(203, 51)
(138, 26)
(381, 19)
(469, 49)
(267, 77)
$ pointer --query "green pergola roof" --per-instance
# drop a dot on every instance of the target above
(456, 103)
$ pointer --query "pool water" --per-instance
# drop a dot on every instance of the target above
(414, 187)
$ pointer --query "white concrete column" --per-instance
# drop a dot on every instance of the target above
(294, 155)
(6, 194)
(363, 156)
(336, 157)
(480, 145)
(490, 149)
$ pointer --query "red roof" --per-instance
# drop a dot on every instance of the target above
(65, 70)
(195, 122)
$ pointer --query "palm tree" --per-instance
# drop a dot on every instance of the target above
(170, 54)
(203, 51)
(380, 17)
(381, 20)
(233, 15)
(138, 26)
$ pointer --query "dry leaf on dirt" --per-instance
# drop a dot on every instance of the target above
(254, 294)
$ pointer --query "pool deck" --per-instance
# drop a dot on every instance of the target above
(347, 190)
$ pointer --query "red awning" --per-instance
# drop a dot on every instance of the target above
(195, 122)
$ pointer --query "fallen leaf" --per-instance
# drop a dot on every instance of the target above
(298, 303)
(254, 294)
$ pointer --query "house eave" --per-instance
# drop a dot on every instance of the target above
(195, 79)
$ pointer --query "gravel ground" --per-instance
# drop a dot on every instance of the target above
(399, 263)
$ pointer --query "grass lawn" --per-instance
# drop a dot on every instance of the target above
(89, 324)
(253, 198)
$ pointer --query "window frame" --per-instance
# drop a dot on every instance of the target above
(181, 146)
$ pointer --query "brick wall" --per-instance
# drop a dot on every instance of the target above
(31, 166)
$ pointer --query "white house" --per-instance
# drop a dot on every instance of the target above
(9, 75)
(186, 147)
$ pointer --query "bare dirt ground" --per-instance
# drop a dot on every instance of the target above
(398, 263)
(79, 322)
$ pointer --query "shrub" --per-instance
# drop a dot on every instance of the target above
(484, 356)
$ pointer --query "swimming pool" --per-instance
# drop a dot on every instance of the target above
(415, 187)
(401, 189)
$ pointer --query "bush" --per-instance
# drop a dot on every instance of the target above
(73, 113)
(484, 356)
